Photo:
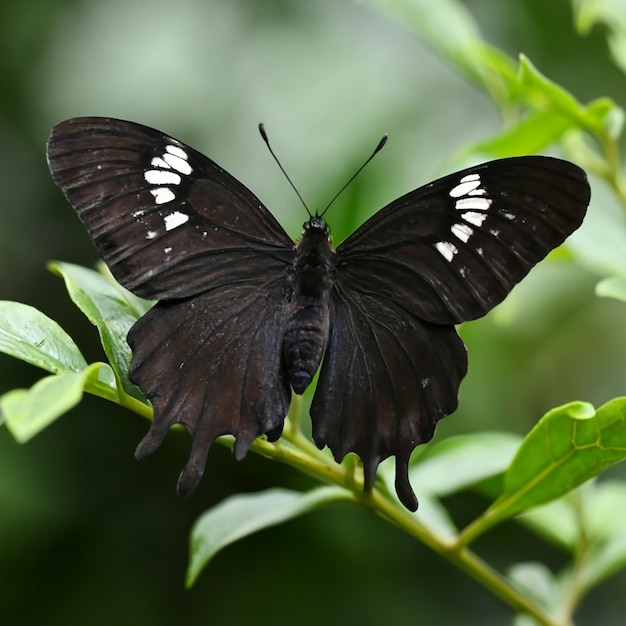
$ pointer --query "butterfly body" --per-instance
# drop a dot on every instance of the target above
(245, 315)
(309, 292)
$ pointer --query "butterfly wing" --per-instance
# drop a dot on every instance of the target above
(168, 221)
(442, 254)
(386, 379)
(450, 251)
(214, 363)
(174, 226)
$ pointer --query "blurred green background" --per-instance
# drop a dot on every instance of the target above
(90, 536)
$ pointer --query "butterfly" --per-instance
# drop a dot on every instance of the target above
(245, 316)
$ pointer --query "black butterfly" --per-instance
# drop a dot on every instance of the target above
(245, 315)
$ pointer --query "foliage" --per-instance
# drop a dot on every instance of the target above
(546, 481)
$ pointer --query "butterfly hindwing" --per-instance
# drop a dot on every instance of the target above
(453, 249)
(213, 363)
(386, 380)
(168, 221)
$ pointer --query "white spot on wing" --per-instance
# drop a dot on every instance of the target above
(474, 218)
(175, 219)
(162, 195)
(159, 162)
(464, 187)
(480, 204)
(470, 177)
(162, 177)
(167, 250)
(177, 163)
(167, 173)
(462, 231)
(151, 234)
(177, 151)
(446, 249)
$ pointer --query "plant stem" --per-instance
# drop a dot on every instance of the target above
(614, 177)
(575, 587)
(464, 559)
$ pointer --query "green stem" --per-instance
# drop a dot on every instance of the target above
(319, 466)
(614, 177)
(575, 587)
(463, 558)
(119, 396)
(135, 405)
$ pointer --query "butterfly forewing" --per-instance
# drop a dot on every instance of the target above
(168, 221)
(451, 250)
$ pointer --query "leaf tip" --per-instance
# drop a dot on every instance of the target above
(581, 410)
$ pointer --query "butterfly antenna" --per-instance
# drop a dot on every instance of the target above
(377, 149)
(282, 169)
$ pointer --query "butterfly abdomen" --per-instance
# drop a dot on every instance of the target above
(305, 342)
(308, 325)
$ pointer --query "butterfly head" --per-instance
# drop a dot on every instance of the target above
(316, 227)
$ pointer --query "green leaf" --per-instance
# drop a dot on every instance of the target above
(609, 114)
(605, 517)
(459, 462)
(522, 619)
(29, 335)
(609, 13)
(617, 46)
(569, 445)
(613, 287)
(111, 308)
(558, 522)
(586, 14)
(29, 411)
(602, 116)
(530, 135)
(240, 516)
(536, 581)
(552, 95)
(434, 516)
(430, 512)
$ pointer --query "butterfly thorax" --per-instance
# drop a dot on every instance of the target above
(311, 280)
